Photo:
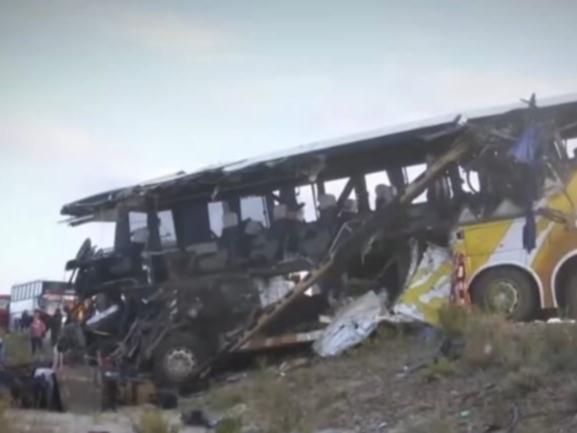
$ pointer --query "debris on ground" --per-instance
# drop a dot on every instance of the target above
(351, 325)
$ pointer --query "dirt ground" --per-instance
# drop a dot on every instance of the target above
(124, 421)
(393, 384)
(493, 377)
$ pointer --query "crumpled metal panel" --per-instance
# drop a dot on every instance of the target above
(351, 325)
(429, 288)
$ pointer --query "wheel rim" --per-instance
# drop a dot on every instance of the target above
(179, 363)
(502, 297)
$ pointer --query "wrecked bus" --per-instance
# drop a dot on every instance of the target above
(259, 249)
(513, 248)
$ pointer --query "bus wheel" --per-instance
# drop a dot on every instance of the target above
(176, 360)
(506, 291)
(571, 296)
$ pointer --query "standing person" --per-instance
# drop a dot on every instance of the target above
(55, 326)
(2, 346)
(25, 320)
(37, 332)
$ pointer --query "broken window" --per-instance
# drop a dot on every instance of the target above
(254, 208)
(215, 215)
(375, 182)
(139, 231)
(470, 179)
(336, 187)
(306, 196)
(572, 148)
(192, 223)
(137, 220)
(411, 173)
(167, 231)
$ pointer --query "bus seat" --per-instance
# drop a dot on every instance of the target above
(328, 212)
(231, 234)
(315, 240)
(253, 228)
(229, 220)
(212, 262)
(202, 248)
(327, 201)
(280, 212)
(284, 229)
(349, 210)
(384, 195)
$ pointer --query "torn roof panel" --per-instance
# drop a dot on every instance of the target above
(395, 145)
(444, 120)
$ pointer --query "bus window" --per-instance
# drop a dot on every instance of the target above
(412, 172)
(336, 187)
(167, 231)
(373, 180)
(254, 207)
(138, 227)
(572, 148)
(192, 223)
(215, 214)
(470, 181)
(306, 197)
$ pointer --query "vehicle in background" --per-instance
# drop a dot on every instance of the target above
(39, 294)
(5, 311)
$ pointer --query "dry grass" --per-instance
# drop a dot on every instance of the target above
(435, 424)
(276, 404)
(454, 319)
(5, 424)
(519, 361)
(518, 384)
(526, 353)
(492, 341)
(17, 349)
(440, 369)
(280, 405)
(226, 397)
(230, 425)
(487, 340)
(297, 401)
(153, 421)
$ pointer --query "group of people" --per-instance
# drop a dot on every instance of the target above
(38, 325)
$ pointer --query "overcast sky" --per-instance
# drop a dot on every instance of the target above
(98, 94)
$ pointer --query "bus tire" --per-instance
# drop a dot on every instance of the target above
(571, 296)
(507, 291)
(176, 360)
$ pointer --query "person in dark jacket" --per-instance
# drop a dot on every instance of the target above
(55, 326)
(25, 321)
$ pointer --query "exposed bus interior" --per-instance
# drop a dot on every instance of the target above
(235, 239)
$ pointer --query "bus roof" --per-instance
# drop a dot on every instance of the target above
(374, 150)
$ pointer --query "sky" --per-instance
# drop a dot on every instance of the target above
(101, 94)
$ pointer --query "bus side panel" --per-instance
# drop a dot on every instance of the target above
(501, 243)
(492, 243)
(560, 242)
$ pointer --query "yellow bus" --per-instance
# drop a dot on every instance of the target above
(504, 276)
(513, 248)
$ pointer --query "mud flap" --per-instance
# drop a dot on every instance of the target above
(428, 288)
